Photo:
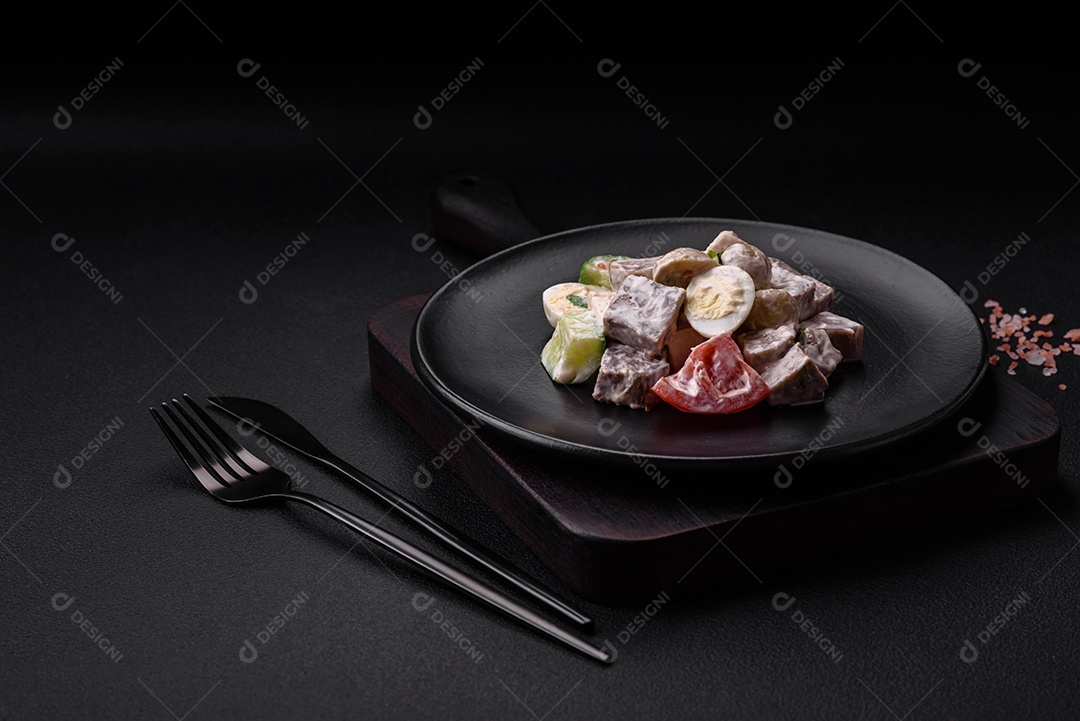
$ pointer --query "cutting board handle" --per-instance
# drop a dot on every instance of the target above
(479, 213)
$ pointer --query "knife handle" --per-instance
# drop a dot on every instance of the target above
(462, 543)
(479, 213)
(449, 574)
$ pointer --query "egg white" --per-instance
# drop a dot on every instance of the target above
(719, 301)
(556, 304)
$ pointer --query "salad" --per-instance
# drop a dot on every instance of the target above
(706, 331)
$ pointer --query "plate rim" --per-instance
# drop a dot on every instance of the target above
(541, 442)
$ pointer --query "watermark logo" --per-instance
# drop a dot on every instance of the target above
(608, 427)
(62, 601)
(421, 242)
(248, 292)
(638, 622)
(784, 118)
(969, 652)
(607, 68)
(782, 602)
(249, 652)
(62, 477)
(423, 118)
(968, 427)
(277, 456)
(247, 67)
(422, 602)
(654, 247)
(423, 477)
(61, 242)
(967, 68)
(782, 242)
(783, 476)
(968, 292)
(63, 118)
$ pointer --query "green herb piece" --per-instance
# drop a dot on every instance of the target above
(578, 301)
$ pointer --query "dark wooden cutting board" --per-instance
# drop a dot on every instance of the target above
(622, 536)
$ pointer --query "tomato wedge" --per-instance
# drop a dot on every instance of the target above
(714, 379)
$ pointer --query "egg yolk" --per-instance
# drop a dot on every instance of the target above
(715, 298)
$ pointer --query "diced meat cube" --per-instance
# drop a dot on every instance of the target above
(680, 342)
(619, 270)
(627, 376)
(845, 334)
(682, 265)
(772, 308)
(763, 347)
(816, 344)
(794, 380)
(642, 313)
(824, 296)
(784, 267)
(800, 287)
(753, 261)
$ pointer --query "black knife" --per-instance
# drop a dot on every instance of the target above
(280, 426)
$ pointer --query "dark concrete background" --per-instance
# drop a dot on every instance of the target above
(179, 181)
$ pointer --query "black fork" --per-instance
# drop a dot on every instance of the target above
(232, 474)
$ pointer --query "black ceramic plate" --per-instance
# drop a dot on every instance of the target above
(477, 342)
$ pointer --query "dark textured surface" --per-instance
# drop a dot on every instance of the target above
(180, 180)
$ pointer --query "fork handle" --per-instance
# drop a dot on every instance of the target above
(459, 541)
(449, 574)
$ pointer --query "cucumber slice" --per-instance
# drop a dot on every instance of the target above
(573, 354)
(596, 270)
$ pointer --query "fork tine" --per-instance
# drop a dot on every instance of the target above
(222, 462)
(205, 478)
(206, 460)
(237, 451)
